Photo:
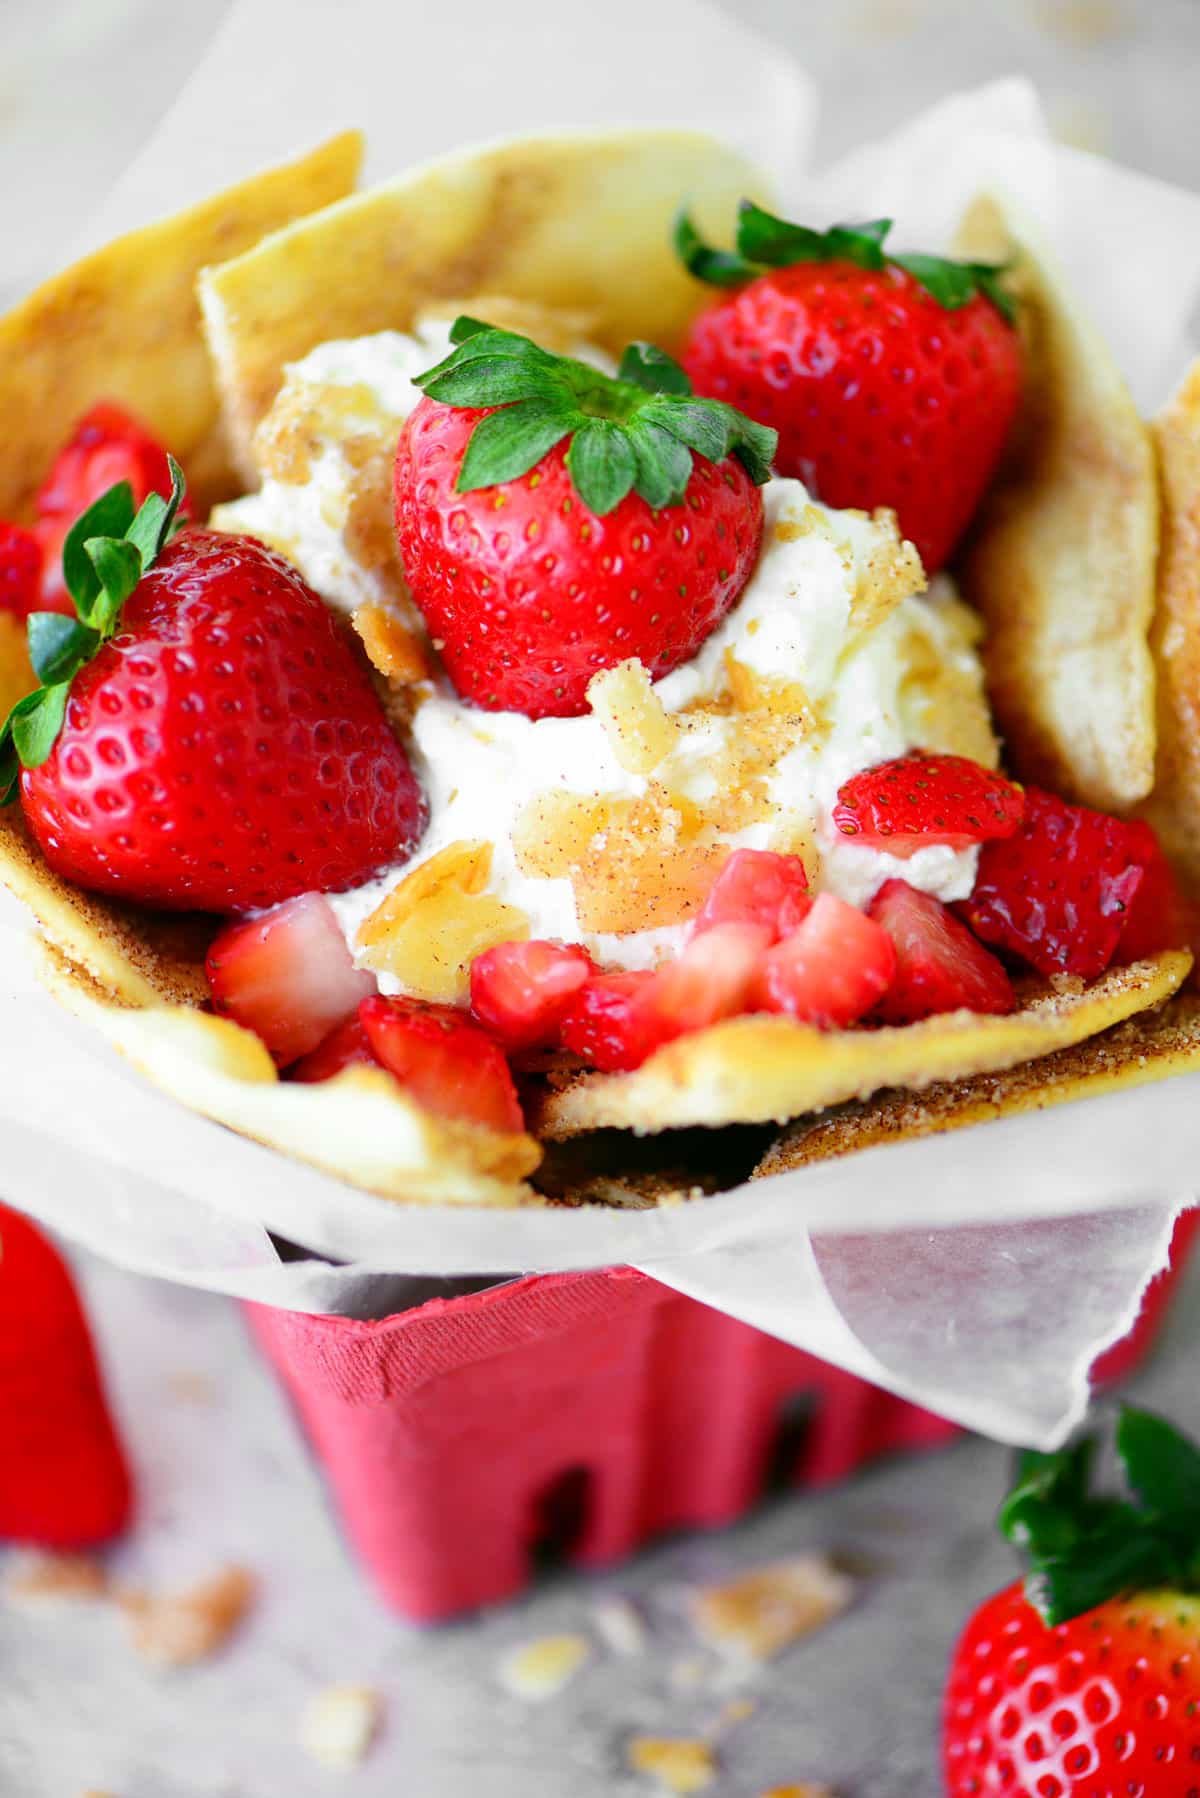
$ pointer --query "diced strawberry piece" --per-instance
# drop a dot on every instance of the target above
(921, 799)
(20, 571)
(712, 978)
(756, 886)
(107, 445)
(614, 1022)
(345, 1047)
(831, 971)
(521, 992)
(447, 1063)
(1159, 917)
(939, 965)
(1058, 893)
(287, 975)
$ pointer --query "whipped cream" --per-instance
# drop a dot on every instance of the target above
(816, 613)
(341, 393)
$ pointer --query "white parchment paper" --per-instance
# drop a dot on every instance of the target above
(978, 1273)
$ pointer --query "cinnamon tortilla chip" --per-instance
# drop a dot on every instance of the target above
(576, 223)
(360, 1126)
(1154, 1045)
(1062, 560)
(758, 1069)
(124, 325)
(1174, 805)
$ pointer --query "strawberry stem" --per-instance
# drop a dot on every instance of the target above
(635, 432)
(766, 242)
(106, 553)
(1083, 1547)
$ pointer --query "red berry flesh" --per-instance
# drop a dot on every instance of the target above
(226, 749)
(939, 965)
(529, 594)
(444, 1061)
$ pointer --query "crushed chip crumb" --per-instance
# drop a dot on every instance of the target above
(761, 1612)
(340, 1724)
(738, 1709)
(687, 1674)
(541, 1668)
(185, 1627)
(677, 1763)
(804, 1790)
(56, 1579)
(619, 1625)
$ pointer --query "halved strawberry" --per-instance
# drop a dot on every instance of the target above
(614, 1022)
(831, 971)
(712, 978)
(1058, 892)
(921, 799)
(287, 975)
(757, 886)
(107, 445)
(20, 570)
(939, 964)
(447, 1063)
(1159, 916)
(346, 1046)
(521, 992)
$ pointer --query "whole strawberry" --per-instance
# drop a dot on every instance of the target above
(554, 521)
(891, 380)
(204, 738)
(1087, 1679)
(64, 1480)
(107, 445)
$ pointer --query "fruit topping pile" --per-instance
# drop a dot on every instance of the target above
(205, 733)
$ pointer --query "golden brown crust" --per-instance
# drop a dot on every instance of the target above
(1154, 1045)
(360, 1126)
(1062, 560)
(124, 324)
(758, 1069)
(1174, 806)
(501, 220)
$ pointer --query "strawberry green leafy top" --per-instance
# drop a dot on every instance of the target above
(1085, 1547)
(766, 242)
(106, 553)
(633, 433)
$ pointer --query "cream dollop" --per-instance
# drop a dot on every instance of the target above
(832, 610)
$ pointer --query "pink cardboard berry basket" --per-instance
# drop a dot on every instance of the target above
(577, 1416)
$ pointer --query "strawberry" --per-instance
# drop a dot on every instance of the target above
(347, 1046)
(921, 799)
(20, 571)
(757, 886)
(1160, 916)
(1087, 1680)
(1058, 892)
(449, 1065)
(891, 380)
(553, 521)
(108, 445)
(287, 975)
(614, 1023)
(205, 737)
(712, 978)
(939, 964)
(832, 970)
(521, 992)
(64, 1482)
